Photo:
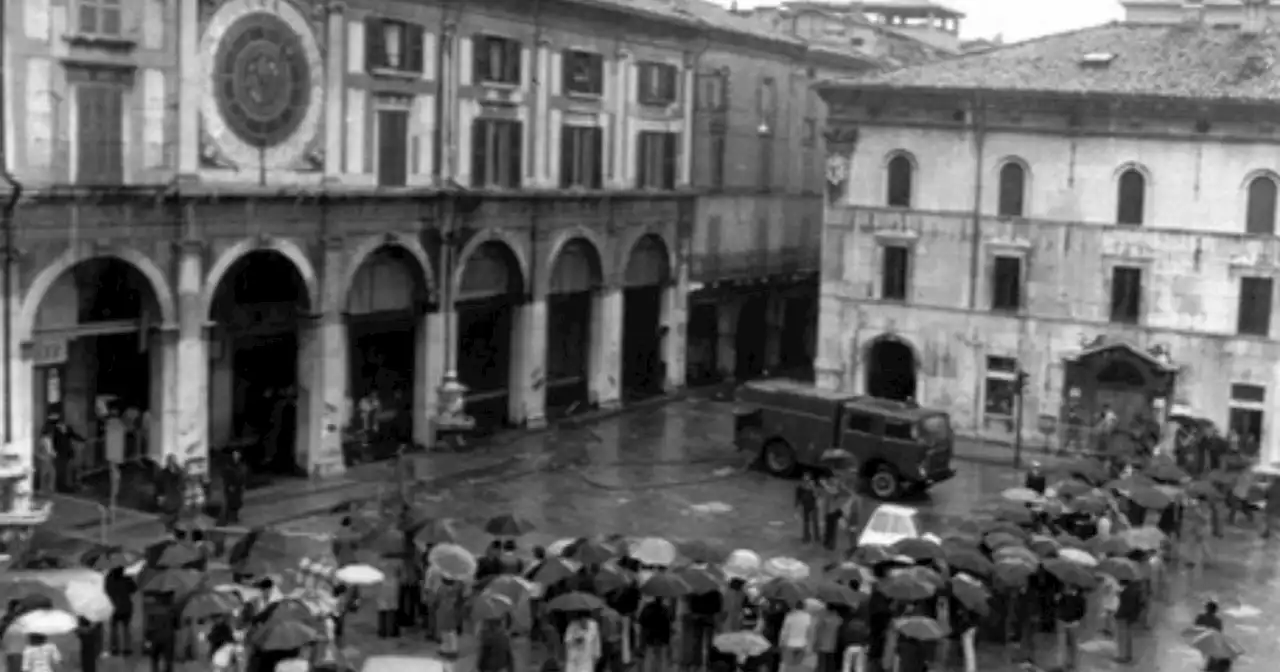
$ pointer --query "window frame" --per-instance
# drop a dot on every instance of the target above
(997, 260)
(1122, 205)
(667, 90)
(892, 160)
(493, 126)
(100, 178)
(1263, 327)
(98, 7)
(595, 73)
(1001, 375)
(412, 47)
(646, 158)
(1007, 202)
(511, 67)
(1116, 272)
(719, 85)
(907, 258)
(578, 162)
(1250, 222)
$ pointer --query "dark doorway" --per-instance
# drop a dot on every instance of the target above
(259, 307)
(799, 334)
(487, 299)
(751, 338)
(891, 370)
(643, 367)
(571, 297)
(703, 339)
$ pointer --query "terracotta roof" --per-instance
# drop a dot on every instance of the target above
(1168, 61)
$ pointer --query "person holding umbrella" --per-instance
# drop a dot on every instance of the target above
(795, 639)
(582, 646)
(495, 653)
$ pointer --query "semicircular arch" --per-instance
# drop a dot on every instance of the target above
(891, 339)
(76, 255)
(477, 249)
(282, 246)
(649, 261)
(367, 248)
(576, 263)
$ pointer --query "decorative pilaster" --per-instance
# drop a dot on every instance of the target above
(606, 349)
(322, 373)
(335, 71)
(21, 440)
(528, 368)
(675, 319)
(189, 418)
(190, 87)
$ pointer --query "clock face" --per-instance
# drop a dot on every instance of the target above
(262, 80)
(263, 83)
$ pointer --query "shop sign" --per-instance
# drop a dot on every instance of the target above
(49, 351)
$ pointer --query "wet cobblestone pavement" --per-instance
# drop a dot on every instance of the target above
(674, 472)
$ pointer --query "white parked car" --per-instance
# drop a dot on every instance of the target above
(889, 524)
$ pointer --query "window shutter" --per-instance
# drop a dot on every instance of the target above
(479, 60)
(512, 52)
(517, 155)
(375, 48)
(479, 153)
(596, 158)
(669, 83)
(568, 66)
(669, 154)
(113, 136)
(643, 178)
(566, 156)
(414, 56)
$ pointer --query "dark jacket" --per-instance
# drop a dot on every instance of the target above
(120, 589)
(495, 653)
(1036, 481)
(1071, 607)
(655, 624)
(1130, 609)
(1211, 621)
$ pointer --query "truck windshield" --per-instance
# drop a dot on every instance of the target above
(935, 428)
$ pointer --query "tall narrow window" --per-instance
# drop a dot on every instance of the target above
(1131, 198)
(1255, 307)
(393, 147)
(1126, 294)
(901, 173)
(766, 162)
(1006, 284)
(1261, 215)
(583, 73)
(717, 160)
(656, 84)
(393, 45)
(656, 160)
(1013, 185)
(101, 18)
(496, 153)
(895, 272)
(497, 60)
(581, 157)
(100, 134)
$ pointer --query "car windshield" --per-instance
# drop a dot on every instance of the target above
(887, 523)
(935, 428)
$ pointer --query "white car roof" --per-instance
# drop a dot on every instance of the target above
(895, 510)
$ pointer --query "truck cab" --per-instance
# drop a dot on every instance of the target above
(897, 446)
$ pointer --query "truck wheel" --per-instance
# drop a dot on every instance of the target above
(779, 458)
(885, 483)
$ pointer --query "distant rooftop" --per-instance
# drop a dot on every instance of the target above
(911, 7)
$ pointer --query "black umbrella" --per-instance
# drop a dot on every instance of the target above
(508, 525)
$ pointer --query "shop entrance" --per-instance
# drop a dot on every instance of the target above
(891, 370)
(488, 296)
(647, 274)
(571, 311)
(703, 338)
(750, 338)
(799, 337)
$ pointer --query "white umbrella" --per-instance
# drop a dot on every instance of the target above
(786, 568)
(559, 546)
(654, 551)
(742, 564)
(49, 622)
(90, 602)
(1078, 556)
(360, 575)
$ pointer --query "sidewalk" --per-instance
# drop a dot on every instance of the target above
(1000, 454)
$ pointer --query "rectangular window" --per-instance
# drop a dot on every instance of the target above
(100, 134)
(711, 88)
(1126, 294)
(1001, 389)
(656, 159)
(581, 157)
(859, 422)
(1255, 307)
(894, 272)
(1006, 284)
(497, 60)
(766, 162)
(393, 45)
(656, 84)
(583, 73)
(718, 148)
(1247, 413)
(497, 153)
(393, 147)
(99, 17)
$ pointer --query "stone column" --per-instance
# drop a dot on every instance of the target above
(675, 317)
(189, 435)
(162, 347)
(528, 365)
(428, 369)
(322, 371)
(21, 440)
(830, 365)
(605, 365)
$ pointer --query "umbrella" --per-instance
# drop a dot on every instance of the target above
(1070, 573)
(176, 555)
(508, 525)
(700, 579)
(1094, 504)
(1205, 490)
(846, 572)
(665, 584)
(49, 622)
(971, 561)
(288, 609)
(576, 601)
(835, 594)
(790, 591)
(207, 604)
(741, 564)
(1015, 513)
(701, 551)
(1149, 498)
(1013, 573)
(1123, 569)
(921, 628)
(1019, 553)
(871, 555)
(360, 574)
(1116, 545)
(259, 566)
(172, 581)
(453, 562)
(32, 595)
(1022, 496)
(1214, 644)
(918, 549)
(1167, 472)
(1043, 545)
(786, 568)
(554, 570)
(285, 635)
(1073, 488)
(561, 547)
(88, 600)
(107, 558)
(491, 607)
(1005, 527)
(1082, 558)
(1068, 541)
(594, 552)
(925, 574)
(1144, 538)
(744, 644)
(512, 587)
(906, 588)
(654, 551)
(973, 595)
(998, 540)
(610, 577)
(435, 531)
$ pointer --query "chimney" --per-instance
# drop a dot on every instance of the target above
(1256, 17)
(1193, 12)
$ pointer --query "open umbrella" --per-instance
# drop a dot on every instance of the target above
(32, 595)
(973, 595)
(1044, 546)
(1093, 504)
(742, 564)
(1070, 541)
(576, 601)
(1014, 530)
(195, 522)
(491, 607)
(700, 579)
(846, 572)
(176, 554)
(1123, 569)
(654, 551)
(971, 561)
(1070, 573)
(288, 609)
(512, 587)
(1166, 471)
(790, 591)
(921, 628)
(285, 635)
(1116, 545)
(1000, 540)
(107, 558)
(918, 549)
(701, 551)
(435, 531)
(906, 588)
(88, 600)
(48, 622)
(786, 568)
(744, 644)
(508, 525)
(206, 604)
(665, 584)
(1213, 644)
(171, 581)
(1015, 513)
(453, 562)
(871, 555)
(1087, 469)
(594, 552)
(1019, 553)
(1072, 488)
(360, 574)
(1022, 496)
(610, 577)
(837, 595)
(1144, 538)
(1012, 573)
(1080, 557)
(553, 570)
(1149, 497)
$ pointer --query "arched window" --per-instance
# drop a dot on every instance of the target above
(1260, 215)
(1013, 189)
(1131, 198)
(901, 173)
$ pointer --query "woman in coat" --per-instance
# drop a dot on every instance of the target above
(449, 611)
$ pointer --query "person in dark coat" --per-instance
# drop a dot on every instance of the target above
(90, 637)
(1035, 479)
(234, 481)
(64, 440)
(121, 590)
(494, 652)
(1128, 615)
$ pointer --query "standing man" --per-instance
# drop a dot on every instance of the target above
(807, 506)
(234, 481)
(831, 506)
(64, 448)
